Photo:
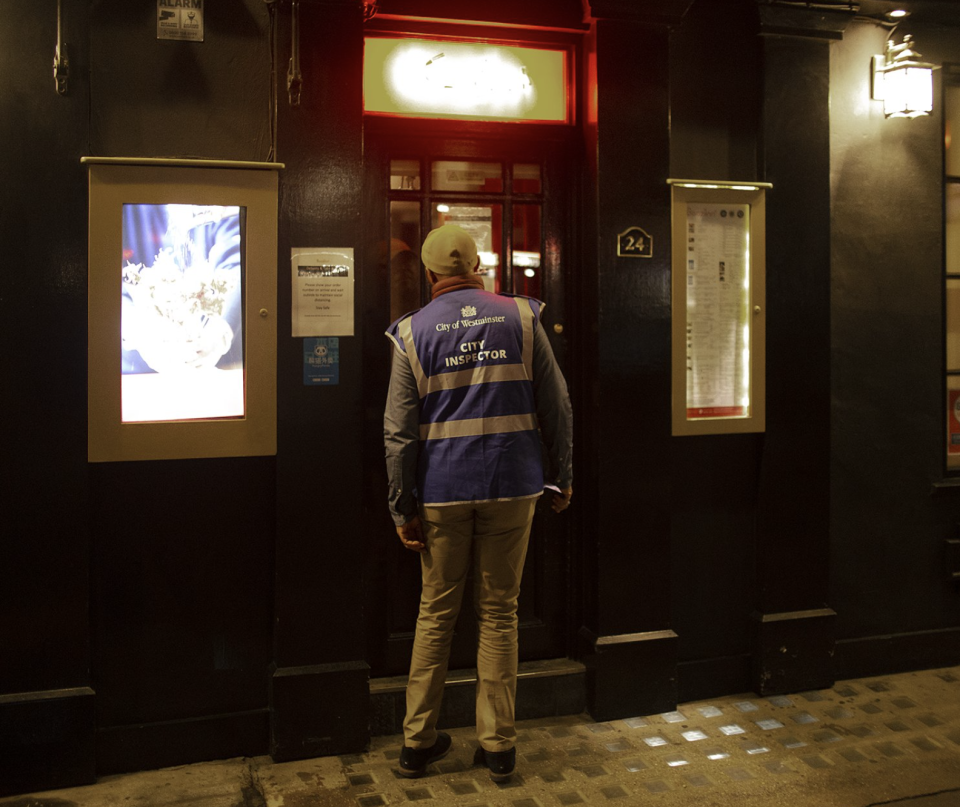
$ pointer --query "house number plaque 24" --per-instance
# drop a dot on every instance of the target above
(634, 242)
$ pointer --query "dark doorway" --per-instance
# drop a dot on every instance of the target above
(514, 195)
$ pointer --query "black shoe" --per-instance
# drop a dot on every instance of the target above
(500, 763)
(414, 761)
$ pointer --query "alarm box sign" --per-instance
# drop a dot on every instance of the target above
(180, 19)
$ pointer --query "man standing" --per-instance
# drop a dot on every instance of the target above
(473, 390)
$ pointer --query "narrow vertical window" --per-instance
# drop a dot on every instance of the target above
(951, 125)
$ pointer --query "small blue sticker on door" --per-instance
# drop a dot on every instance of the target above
(321, 361)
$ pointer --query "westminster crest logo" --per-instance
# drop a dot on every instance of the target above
(468, 311)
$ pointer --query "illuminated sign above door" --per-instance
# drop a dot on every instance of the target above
(424, 78)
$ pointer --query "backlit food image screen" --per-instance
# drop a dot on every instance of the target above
(182, 312)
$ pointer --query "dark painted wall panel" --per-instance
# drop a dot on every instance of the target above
(319, 506)
(793, 508)
(715, 81)
(631, 407)
(163, 98)
(713, 514)
(888, 408)
(44, 541)
(183, 595)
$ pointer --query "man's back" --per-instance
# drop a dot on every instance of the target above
(470, 353)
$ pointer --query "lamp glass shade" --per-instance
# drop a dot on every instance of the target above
(908, 91)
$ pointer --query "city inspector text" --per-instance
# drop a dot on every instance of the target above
(473, 352)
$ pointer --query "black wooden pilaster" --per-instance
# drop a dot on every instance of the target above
(794, 625)
(631, 654)
(319, 697)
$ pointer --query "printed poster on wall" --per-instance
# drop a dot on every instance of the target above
(718, 305)
(323, 291)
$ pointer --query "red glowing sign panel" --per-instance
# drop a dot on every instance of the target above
(436, 79)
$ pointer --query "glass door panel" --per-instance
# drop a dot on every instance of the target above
(526, 178)
(472, 177)
(404, 175)
(526, 262)
(404, 257)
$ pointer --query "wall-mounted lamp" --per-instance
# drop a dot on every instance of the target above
(902, 81)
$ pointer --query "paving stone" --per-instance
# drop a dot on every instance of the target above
(852, 755)
(418, 794)
(614, 792)
(816, 761)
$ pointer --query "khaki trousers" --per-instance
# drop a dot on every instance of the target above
(494, 535)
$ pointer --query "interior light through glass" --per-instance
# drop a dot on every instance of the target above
(442, 79)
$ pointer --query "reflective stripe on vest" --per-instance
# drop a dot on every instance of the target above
(476, 375)
(477, 426)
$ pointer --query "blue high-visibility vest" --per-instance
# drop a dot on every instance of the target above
(471, 353)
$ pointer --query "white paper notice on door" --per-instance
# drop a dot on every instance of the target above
(718, 305)
(323, 291)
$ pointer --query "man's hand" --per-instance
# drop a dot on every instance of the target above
(561, 500)
(411, 535)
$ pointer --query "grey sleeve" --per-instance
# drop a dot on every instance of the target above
(401, 438)
(553, 411)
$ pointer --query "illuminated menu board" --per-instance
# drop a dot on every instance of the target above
(718, 300)
(718, 304)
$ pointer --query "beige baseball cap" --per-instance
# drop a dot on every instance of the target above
(449, 250)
